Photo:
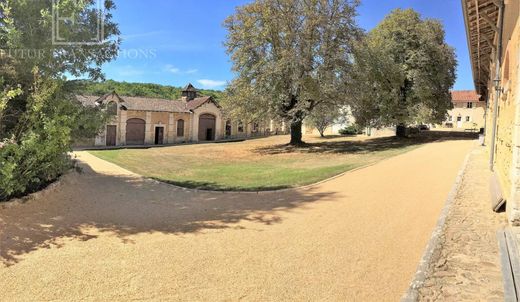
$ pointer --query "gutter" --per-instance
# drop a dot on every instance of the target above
(497, 80)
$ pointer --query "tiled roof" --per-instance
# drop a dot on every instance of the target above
(464, 96)
(138, 103)
(197, 102)
(189, 87)
(88, 100)
(148, 104)
(153, 104)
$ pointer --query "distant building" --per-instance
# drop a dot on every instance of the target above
(149, 121)
(346, 119)
(468, 111)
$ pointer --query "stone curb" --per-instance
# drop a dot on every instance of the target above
(412, 294)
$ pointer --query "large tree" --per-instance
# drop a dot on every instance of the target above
(29, 48)
(290, 56)
(39, 117)
(403, 72)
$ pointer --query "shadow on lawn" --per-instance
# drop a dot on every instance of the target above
(360, 146)
(89, 203)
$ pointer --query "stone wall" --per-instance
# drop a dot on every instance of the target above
(506, 161)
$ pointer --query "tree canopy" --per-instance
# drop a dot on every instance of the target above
(403, 72)
(290, 56)
(26, 31)
(39, 117)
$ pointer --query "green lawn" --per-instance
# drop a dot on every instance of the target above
(262, 164)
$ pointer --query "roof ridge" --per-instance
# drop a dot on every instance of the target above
(147, 97)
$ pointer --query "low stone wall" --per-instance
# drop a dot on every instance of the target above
(448, 134)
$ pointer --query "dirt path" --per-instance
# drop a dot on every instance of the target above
(109, 235)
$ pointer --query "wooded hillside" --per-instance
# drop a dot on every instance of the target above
(137, 89)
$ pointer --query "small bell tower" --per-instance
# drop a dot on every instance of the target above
(189, 93)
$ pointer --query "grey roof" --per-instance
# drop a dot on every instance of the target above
(197, 102)
(147, 104)
(88, 100)
(189, 87)
(153, 104)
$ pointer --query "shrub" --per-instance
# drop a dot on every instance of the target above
(350, 130)
(33, 163)
(39, 154)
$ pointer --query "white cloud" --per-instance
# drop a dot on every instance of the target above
(172, 69)
(211, 83)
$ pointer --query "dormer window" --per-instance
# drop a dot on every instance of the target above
(112, 108)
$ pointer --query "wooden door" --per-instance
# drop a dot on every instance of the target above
(111, 135)
(135, 130)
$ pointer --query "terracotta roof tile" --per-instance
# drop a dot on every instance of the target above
(139, 103)
(197, 102)
(458, 96)
(87, 100)
(153, 104)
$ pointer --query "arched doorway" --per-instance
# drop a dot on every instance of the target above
(135, 128)
(207, 127)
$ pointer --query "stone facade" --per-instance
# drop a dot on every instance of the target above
(506, 160)
(464, 116)
(504, 106)
(159, 120)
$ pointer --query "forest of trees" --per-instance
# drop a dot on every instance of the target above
(137, 89)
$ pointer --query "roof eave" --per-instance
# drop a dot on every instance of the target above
(468, 40)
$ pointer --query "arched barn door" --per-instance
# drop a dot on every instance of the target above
(207, 127)
(135, 131)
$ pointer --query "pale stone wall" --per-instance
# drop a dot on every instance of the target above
(207, 108)
(508, 142)
(186, 117)
(100, 139)
(168, 121)
(475, 114)
(507, 159)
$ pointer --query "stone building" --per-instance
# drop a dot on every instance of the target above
(468, 110)
(493, 34)
(153, 121)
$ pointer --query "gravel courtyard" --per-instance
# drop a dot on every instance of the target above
(108, 234)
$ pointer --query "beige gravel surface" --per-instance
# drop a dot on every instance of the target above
(108, 235)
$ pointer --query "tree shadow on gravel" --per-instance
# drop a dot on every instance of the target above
(363, 146)
(87, 204)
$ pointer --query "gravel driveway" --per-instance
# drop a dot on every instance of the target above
(107, 234)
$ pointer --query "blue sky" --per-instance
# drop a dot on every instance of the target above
(174, 42)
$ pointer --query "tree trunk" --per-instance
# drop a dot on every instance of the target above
(400, 130)
(296, 132)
